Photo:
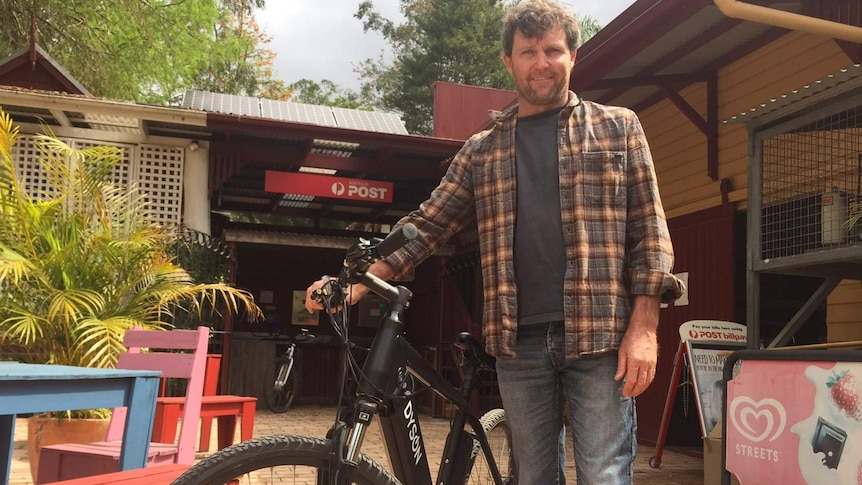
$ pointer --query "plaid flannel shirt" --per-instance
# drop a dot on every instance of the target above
(616, 236)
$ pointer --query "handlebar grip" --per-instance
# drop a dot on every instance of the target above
(396, 239)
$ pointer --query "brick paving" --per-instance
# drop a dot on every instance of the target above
(676, 468)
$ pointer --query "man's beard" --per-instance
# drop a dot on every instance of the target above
(553, 95)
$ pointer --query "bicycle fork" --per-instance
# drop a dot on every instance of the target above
(344, 445)
(284, 370)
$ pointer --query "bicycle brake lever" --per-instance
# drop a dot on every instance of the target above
(325, 290)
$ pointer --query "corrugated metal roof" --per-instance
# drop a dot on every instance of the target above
(843, 81)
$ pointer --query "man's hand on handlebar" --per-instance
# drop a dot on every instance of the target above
(314, 296)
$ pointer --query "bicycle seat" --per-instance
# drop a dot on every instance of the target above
(474, 350)
(303, 336)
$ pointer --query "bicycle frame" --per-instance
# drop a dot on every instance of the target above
(389, 358)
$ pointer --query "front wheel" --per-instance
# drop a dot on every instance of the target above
(500, 438)
(277, 459)
(280, 397)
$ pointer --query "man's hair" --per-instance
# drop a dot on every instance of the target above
(534, 18)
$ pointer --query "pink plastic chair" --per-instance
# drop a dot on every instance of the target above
(68, 461)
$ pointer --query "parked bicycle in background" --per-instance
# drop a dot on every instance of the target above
(280, 396)
(477, 450)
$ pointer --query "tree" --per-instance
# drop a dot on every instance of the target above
(327, 93)
(143, 51)
(454, 41)
(240, 63)
(83, 262)
(589, 27)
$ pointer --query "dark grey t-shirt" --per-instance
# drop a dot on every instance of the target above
(540, 253)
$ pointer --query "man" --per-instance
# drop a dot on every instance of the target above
(575, 251)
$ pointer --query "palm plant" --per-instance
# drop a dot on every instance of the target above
(83, 262)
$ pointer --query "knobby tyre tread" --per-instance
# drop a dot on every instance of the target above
(262, 453)
(493, 420)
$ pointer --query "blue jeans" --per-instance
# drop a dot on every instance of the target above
(534, 387)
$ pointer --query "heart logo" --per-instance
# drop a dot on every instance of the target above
(758, 420)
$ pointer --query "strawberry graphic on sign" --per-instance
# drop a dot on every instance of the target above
(846, 393)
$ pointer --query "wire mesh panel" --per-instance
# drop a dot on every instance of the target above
(812, 188)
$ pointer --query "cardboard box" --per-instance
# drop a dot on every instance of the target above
(712, 458)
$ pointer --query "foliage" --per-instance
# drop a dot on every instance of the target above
(327, 93)
(455, 41)
(145, 51)
(589, 27)
(241, 64)
(82, 262)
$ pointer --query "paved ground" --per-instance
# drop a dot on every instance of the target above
(676, 468)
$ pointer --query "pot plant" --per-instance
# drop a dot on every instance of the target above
(83, 261)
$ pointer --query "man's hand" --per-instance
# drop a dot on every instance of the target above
(637, 361)
(638, 352)
(311, 304)
(381, 269)
(354, 294)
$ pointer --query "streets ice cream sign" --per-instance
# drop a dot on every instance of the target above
(325, 186)
(795, 422)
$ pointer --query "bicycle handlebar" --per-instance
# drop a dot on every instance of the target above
(361, 256)
(396, 240)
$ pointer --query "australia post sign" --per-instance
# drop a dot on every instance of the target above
(325, 186)
(713, 331)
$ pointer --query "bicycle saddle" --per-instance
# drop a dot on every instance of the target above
(474, 350)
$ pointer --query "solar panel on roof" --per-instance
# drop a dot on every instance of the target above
(353, 119)
(222, 103)
(237, 105)
(297, 112)
(369, 121)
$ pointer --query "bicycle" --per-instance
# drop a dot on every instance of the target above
(280, 397)
(382, 386)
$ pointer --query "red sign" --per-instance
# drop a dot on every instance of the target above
(325, 186)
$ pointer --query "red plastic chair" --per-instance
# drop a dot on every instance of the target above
(224, 407)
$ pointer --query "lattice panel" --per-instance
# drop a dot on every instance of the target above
(28, 169)
(160, 177)
(812, 185)
(122, 172)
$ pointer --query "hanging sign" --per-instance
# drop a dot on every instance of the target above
(326, 186)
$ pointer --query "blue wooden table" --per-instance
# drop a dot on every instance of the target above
(36, 388)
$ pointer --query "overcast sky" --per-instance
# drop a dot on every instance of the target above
(321, 39)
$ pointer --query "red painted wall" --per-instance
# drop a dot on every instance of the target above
(704, 246)
(460, 110)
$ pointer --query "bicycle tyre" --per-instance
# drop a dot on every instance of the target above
(500, 438)
(263, 454)
(280, 401)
